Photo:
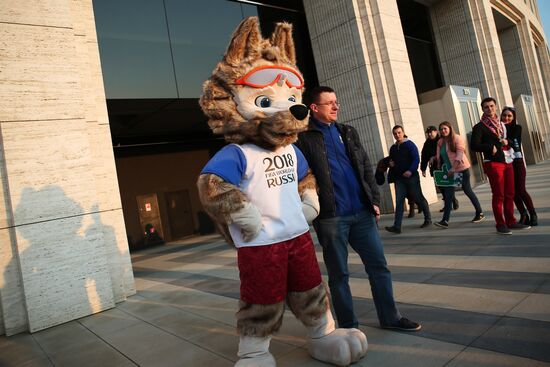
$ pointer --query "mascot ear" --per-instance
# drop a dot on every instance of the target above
(282, 38)
(245, 42)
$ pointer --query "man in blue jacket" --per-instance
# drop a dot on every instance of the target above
(349, 201)
(404, 160)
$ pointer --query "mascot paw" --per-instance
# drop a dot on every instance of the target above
(341, 347)
(310, 205)
(263, 360)
(249, 220)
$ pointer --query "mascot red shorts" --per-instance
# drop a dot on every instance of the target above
(269, 272)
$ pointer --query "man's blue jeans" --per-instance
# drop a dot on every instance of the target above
(404, 187)
(361, 232)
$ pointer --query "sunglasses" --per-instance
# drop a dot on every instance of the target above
(265, 76)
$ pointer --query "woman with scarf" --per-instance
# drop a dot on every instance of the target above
(489, 137)
(521, 197)
(451, 152)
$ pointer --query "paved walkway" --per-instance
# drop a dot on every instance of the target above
(483, 300)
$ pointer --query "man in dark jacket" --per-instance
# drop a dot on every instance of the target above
(349, 200)
(404, 160)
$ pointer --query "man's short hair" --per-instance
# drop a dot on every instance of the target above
(488, 99)
(312, 96)
(397, 127)
(431, 128)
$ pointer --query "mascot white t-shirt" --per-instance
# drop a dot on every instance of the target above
(269, 179)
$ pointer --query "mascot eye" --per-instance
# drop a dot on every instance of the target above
(292, 99)
(262, 101)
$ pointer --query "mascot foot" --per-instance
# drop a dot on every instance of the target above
(254, 352)
(337, 346)
(341, 347)
(265, 360)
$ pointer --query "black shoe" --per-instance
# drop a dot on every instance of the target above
(524, 219)
(411, 213)
(519, 226)
(503, 230)
(534, 220)
(393, 229)
(426, 224)
(404, 324)
(442, 224)
(478, 218)
(455, 204)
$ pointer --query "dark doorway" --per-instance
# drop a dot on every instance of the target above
(179, 213)
(421, 48)
(149, 218)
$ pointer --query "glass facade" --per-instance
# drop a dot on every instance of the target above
(156, 54)
(417, 28)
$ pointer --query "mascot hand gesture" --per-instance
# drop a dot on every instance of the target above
(261, 195)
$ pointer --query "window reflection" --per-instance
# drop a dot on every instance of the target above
(199, 36)
(134, 49)
(156, 54)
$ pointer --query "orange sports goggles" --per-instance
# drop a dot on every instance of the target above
(264, 76)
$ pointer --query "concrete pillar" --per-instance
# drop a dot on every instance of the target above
(468, 47)
(360, 51)
(514, 62)
(63, 246)
(534, 75)
(544, 64)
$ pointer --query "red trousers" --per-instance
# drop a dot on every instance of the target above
(269, 272)
(501, 179)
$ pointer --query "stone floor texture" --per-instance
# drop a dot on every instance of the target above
(483, 300)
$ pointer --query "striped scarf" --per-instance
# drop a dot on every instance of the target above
(495, 125)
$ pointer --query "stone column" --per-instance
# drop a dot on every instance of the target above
(534, 75)
(468, 47)
(360, 51)
(63, 247)
(514, 62)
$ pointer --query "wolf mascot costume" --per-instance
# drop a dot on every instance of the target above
(261, 195)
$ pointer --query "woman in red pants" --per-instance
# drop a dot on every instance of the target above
(521, 196)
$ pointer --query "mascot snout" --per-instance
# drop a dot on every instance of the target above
(299, 111)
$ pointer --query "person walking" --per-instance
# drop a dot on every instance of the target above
(521, 196)
(428, 157)
(404, 160)
(489, 137)
(349, 211)
(451, 152)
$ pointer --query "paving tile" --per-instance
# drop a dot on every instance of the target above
(22, 350)
(148, 345)
(509, 281)
(220, 286)
(72, 344)
(109, 321)
(389, 348)
(489, 301)
(520, 337)
(474, 357)
(534, 307)
(452, 326)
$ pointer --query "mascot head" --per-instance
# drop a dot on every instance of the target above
(255, 93)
